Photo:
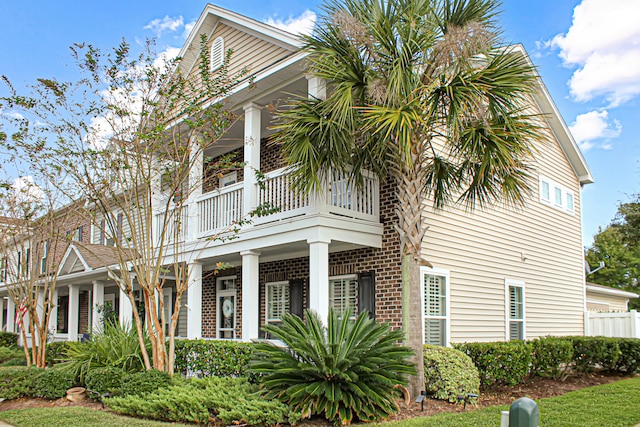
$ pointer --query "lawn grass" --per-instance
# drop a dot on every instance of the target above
(73, 416)
(612, 405)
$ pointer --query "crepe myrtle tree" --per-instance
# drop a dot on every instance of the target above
(35, 233)
(424, 94)
(131, 133)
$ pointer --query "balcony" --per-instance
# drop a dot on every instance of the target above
(221, 209)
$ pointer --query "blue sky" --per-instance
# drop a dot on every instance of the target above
(587, 52)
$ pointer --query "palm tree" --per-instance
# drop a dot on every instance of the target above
(422, 93)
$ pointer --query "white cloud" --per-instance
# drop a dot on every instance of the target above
(159, 26)
(165, 56)
(603, 44)
(12, 115)
(302, 24)
(26, 190)
(592, 126)
(187, 29)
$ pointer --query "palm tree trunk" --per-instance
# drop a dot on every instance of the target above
(411, 231)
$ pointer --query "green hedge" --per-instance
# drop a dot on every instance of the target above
(105, 380)
(8, 339)
(145, 382)
(629, 360)
(509, 363)
(551, 357)
(17, 381)
(20, 381)
(449, 373)
(595, 353)
(9, 354)
(212, 358)
(499, 363)
(56, 352)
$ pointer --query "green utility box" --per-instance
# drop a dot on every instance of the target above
(524, 412)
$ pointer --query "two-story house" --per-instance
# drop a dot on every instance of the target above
(498, 273)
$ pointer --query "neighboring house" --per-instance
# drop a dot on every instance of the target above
(498, 274)
(605, 299)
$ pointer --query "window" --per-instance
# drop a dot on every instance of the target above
(217, 53)
(514, 300)
(228, 179)
(75, 235)
(27, 261)
(435, 296)
(3, 270)
(556, 195)
(44, 256)
(277, 301)
(544, 191)
(342, 294)
(558, 199)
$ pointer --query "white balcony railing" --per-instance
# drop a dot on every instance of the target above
(177, 224)
(220, 209)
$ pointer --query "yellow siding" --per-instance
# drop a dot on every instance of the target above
(248, 51)
(483, 248)
(606, 303)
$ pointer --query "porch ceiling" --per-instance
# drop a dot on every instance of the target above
(277, 253)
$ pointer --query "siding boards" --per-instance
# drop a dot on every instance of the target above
(482, 248)
(248, 51)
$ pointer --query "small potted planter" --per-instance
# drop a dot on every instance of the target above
(76, 394)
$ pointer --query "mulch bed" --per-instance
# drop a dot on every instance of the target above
(536, 389)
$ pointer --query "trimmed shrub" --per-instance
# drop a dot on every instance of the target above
(52, 383)
(56, 352)
(229, 400)
(499, 363)
(449, 373)
(17, 381)
(212, 358)
(551, 357)
(344, 372)
(105, 380)
(8, 339)
(141, 383)
(629, 360)
(592, 353)
(7, 354)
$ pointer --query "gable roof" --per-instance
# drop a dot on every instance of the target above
(86, 257)
(558, 126)
(213, 15)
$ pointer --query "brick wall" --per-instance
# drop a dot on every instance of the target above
(211, 170)
(83, 321)
(270, 157)
(209, 301)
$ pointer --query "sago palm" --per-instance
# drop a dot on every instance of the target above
(348, 370)
(422, 93)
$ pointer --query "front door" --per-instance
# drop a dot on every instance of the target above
(226, 307)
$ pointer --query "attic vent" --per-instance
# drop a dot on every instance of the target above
(217, 53)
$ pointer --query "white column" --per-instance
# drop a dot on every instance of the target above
(194, 301)
(250, 295)
(126, 310)
(11, 315)
(251, 156)
(319, 277)
(97, 302)
(72, 318)
(3, 310)
(195, 190)
(316, 88)
(53, 316)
